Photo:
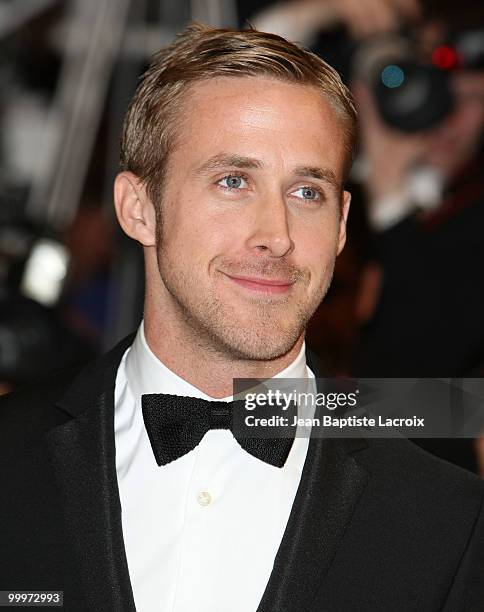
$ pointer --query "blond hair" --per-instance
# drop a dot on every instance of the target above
(200, 53)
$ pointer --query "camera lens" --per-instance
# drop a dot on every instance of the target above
(412, 97)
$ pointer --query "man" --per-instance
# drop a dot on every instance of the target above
(235, 150)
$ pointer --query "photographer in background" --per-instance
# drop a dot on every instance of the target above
(425, 202)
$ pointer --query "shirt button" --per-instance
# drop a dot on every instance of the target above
(204, 498)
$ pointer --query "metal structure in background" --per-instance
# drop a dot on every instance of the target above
(95, 29)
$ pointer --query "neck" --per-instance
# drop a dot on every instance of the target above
(210, 370)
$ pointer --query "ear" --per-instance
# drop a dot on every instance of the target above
(343, 219)
(134, 209)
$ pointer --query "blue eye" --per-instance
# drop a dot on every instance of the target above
(233, 181)
(309, 193)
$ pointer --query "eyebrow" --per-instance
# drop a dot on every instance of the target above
(241, 161)
(321, 174)
(223, 160)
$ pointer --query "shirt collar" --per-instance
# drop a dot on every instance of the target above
(147, 374)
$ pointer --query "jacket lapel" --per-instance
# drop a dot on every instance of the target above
(83, 456)
(331, 484)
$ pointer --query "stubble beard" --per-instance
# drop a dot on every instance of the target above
(265, 330)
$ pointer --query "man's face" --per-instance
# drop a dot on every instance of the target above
(252, 214)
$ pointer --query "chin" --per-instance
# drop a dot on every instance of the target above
(264, 333)
(263, 344)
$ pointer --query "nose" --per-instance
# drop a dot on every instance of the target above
(270, 232)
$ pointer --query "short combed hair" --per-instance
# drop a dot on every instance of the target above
(201, 53)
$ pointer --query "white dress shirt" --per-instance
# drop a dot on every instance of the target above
(201, 533)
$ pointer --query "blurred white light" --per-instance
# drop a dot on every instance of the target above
(45, 271)
(425, 186)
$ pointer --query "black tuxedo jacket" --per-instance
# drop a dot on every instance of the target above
(376, 525)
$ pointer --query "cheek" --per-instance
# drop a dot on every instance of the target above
(317, 251)
(321, 256)
(197, 237)
(318, 236)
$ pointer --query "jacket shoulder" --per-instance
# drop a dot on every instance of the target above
(38, 407)
(412, 475)
(34, 406)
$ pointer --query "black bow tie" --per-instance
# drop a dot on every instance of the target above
(177, 424)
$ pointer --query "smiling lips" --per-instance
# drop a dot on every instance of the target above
(264, 285)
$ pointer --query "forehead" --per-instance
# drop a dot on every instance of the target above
(280, 122)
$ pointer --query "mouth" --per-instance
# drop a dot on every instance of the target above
(262, 285)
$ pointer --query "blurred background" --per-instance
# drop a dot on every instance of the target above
(407, 299)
